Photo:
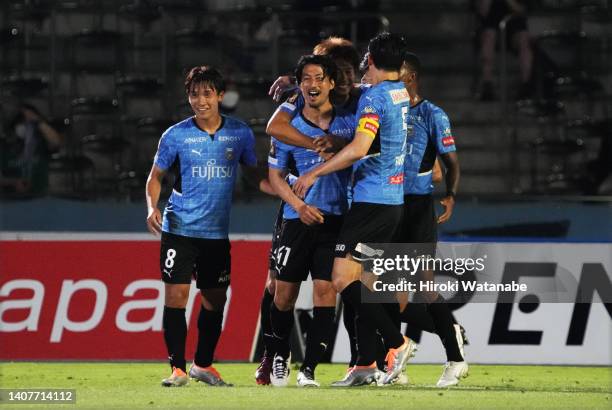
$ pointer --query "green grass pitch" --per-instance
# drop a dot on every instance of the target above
(136, 386)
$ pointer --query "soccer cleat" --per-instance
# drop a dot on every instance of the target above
(208, 375)
(358, 376)
(305, 378)
(279, 377)
(397, 359)
(453, 372)
(262, 374)
(178, 378)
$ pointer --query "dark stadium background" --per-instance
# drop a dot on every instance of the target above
(108, 74)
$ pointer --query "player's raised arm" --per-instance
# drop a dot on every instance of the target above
(280, 126)
(365, 134)
(153, 188)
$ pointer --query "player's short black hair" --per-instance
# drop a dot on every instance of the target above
(205, 74)
(387, 51)
(338, 48)
(413, 62)
(327, 64)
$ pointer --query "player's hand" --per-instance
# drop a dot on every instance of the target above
(154, 220)
(279, 87)
(303, 184)
(310, 215)
(329, 143)
(448, 203)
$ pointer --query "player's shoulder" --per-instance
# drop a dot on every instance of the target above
(434, 110)
(179, 127)
(235, 124)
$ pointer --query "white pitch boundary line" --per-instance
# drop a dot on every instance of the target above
(108, 236)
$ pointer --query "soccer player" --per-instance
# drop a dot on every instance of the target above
(345, 55)
(377, 208)
(204, 150)
(310, 227)
(429, 135)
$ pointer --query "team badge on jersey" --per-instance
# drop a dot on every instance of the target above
(229, 154)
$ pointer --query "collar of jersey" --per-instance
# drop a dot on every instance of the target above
(216, 131)
(312, 124)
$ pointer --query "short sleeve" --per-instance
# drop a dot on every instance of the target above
(166, 152)
(293, 104)
(248, 156)
(278, 158)
(369, 111)
(441, 132)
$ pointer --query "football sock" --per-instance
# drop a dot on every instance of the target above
(372, 313)
(348, 317)
(416, 315)
(264, 322)
(319, 334)
(175, 335)
(209, 331)
(282, 323)
(369, 342)
(443, 320)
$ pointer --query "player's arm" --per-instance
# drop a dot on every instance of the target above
(152, 191)
(257, 177)
(436, 173)
(282, 85)
(280, 127)
(445, 146)
(309, 214)
(451, 163)
(351, 153)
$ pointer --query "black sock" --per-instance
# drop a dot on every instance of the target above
(319, 334)
(443, 320)
(416, 314)
(175, 335)
(369, 343)
(282, 324)
(209, 331)
(374, 313)
(348, 317)
(264, 323)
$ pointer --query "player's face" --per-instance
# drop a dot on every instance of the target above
(315, 85)
(204, 101)
(346, 78)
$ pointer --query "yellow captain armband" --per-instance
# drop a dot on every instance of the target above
(369, 125)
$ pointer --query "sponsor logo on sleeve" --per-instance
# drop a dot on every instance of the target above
(396, 179)
(399, 96)
(448, 141)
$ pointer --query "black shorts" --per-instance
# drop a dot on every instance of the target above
(207, 260)
(275, 236)
(304, 249)
(419, 223)
(367, 223)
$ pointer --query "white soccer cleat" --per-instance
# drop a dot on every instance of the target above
(279, 377)
(305, 378)
(453, 372)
